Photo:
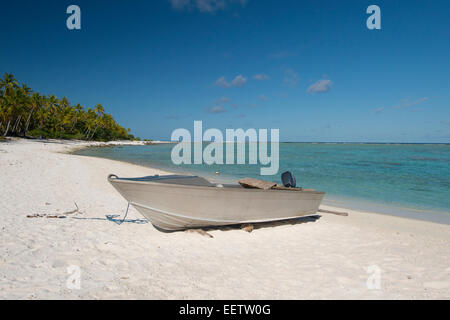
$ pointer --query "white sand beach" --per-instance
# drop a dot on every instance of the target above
(325, 258)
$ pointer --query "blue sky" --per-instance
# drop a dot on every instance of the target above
(310, 68)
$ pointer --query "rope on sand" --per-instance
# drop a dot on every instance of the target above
(126, 213)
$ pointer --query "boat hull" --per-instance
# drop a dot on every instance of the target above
(177, 207)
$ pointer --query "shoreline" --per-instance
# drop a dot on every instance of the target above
(134, 260)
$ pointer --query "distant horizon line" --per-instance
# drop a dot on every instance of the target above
(324, 142)
(356, 142)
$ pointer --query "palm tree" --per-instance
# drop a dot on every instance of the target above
(52, 109)
(78, 110)
(99, 111)
(64, 115)
(7, 112)
(89, 122)
(35, 103)
(8, 84)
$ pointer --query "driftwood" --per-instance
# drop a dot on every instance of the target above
(59, 216)
(77, 210)
(247, 227)
(37, 215)
(344, 214)
(200, 231)
(256, 183)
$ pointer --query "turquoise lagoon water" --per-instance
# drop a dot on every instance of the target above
(410, 180)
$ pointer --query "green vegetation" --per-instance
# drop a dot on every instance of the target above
(26, 113)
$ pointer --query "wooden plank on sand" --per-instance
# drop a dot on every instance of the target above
(344, 214)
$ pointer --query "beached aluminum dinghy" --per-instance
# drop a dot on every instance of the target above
(175, 202)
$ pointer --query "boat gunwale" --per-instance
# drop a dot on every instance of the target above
(170, 185)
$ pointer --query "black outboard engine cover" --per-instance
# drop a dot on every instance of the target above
(288, 179)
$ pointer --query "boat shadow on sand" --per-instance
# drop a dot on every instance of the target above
(254, 226)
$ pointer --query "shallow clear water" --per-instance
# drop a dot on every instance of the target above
(405, 179)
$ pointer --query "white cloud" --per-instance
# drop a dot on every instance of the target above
(261, 76)
(290, 78)
(222, 82)
(407, 103)
(239, 81)
(209, 6)
(217, 109)
(282, 55)
(179, 4)
(320, 86)
(223, 100)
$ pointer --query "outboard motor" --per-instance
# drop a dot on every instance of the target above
(288, 179)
